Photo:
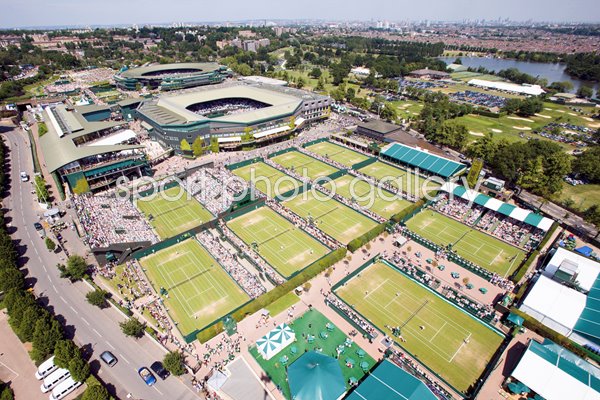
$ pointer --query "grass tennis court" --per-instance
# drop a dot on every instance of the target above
(267, 179)
(473, 245)
(399, 178)
(304, 165)
(199, 289)
(381, 202)
(337, 153)
(331, 216)
(173, 214)
(443, 337)
(284, 246)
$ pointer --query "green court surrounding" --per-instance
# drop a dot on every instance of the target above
(199, 290)
(406, 181)
(267, 179)
(284, 246)
(331, 216)
(313, 323)
(337, 153)
(304, 165)
(471, 244)
(446, 339)
(173, 211)
(380, 201)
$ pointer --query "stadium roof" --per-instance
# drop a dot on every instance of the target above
(520, 214)
(172, 110)
(390, 382)
(141, 72)
(65, 125)
(316, 376)
(424, 160)
(533, 90)
(557, 374)
(379, 126)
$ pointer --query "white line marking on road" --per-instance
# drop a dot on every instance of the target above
(54, 287)
(97, 333)
(123, 357)
(74, 310)
(111, 346)
(159, 392)
(85, 320)
(63, 299)
(44, 268)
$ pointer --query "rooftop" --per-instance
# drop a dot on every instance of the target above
(155, 70)
(423, 160)
(379, 126)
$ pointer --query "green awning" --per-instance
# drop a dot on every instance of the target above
(515, 319)
(506, 209)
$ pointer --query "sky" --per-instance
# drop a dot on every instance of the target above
(21, 13)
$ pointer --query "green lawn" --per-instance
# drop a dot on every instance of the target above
(583, 196)
(331, 216)
(337, 153)
(173, 211)
(380, 201)
(304, 165)
(482, 249)
(267, 179)
(284, 246)
(448, 340)
(406, 181)
(312, 323)
(282, 304)
(408, 108)
(199, 290)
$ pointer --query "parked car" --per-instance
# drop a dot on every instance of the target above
(108, 358)
(38, 226)
(160, 370)
(147, 376)
(24, 176)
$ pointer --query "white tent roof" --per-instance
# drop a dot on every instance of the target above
(534, 90)
(272, 131)
(545, 376)
(216, 380)
(275, 341)
(230, 139)
(550, 299)
(520, 214)
(299, 121)
(494, 204)
(588, 270)
(117, 138)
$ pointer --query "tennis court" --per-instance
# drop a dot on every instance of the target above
(284, 246)
(407, 182)
(337, 153)
(199, 290)
(380, 201)
(446, 339)
(267, 179)
(304, 165)
(332, 217)
(171, 214)
(471, 244)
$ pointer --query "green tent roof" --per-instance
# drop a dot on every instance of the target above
(315, 376)
(390, 382)
(515, 319)
(588, 323)
(423, 160)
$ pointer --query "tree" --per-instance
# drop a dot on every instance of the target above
(586, 165)
(27, 323)
(132, 327)
(41, 189)
(474, 172)
(42, 129)
(458, 61)
(79, 368)
(585, 91)
(45, 335)
(592, 215)
(64, 351)
(81, 186)
(388, 112)
(338, 95)
(97, 298)
(174, 363)
(320, 84)
(350, 94)
(95, 392)
(6, 393)
(185, 146)
(300, 83)
(316, 73)
(197, 146)
(75, 269)
(50, 245)
(214, 144)
(11, 278)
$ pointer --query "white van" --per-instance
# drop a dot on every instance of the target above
(54, 379)
(64, 388)
(45, 368)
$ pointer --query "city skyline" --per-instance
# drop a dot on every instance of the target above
(37, 13)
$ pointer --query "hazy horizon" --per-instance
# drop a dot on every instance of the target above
(40, 13)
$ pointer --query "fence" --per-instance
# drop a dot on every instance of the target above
(364, 163)
(305, 145)
(241, 164)
(280, 152)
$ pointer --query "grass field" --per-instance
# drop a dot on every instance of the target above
(408, 108)
(173, 214)
(267, 179)
(199, 290)
(331, 216)
(582, 196)
(337, 153)
(451, 343)
(381, 202)
(284, 246)
(473, 245)
(406, 181)
(304, 165)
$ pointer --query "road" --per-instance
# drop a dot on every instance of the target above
(94, 329)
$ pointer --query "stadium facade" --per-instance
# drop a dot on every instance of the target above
(234, 116)
(171, 76)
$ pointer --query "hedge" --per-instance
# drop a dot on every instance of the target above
(366, 237)
(208, 333)
(407, 211)
(489, 113)
(520, 273)
(549, 234)
(541, 329)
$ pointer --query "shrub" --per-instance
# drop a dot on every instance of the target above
(174, 363)
(97, 298)
(132, 327)
(366, 237)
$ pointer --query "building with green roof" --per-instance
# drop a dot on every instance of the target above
(390, 382)
(431, 163)
(171, 76)
(316, 376)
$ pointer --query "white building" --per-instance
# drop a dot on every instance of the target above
(532, 90)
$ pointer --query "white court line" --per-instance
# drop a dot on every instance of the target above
(11, 370)
(439, 330)
(460, 347)
(377, 287)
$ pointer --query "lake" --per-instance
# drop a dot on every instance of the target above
(552, 72)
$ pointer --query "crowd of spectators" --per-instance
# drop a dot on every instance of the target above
(108, 220)
(215, 188)
(479, 99)
(248, 281)
(485, 312)
(458, 209)
(332, 300)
